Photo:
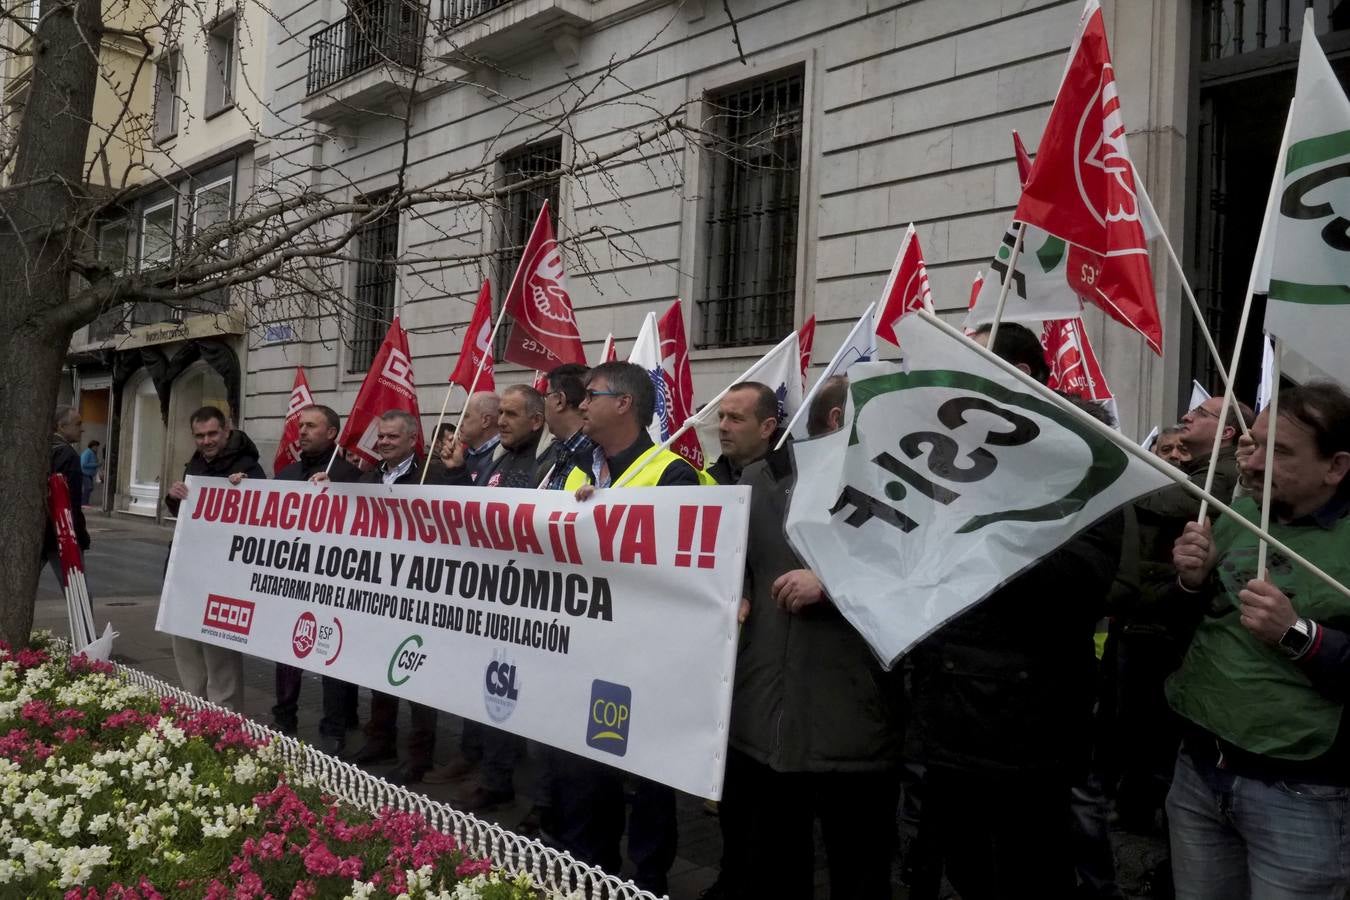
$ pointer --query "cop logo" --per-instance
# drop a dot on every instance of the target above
(407, 660)
(608, 717)
(501, 687)
(304, 634)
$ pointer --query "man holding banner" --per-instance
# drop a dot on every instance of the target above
(1260, 801)
(620, 401)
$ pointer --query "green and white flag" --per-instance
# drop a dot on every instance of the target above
(950, 476)
(1305, 267)
(1041, 288)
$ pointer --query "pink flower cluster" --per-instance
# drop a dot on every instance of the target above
(142, 890)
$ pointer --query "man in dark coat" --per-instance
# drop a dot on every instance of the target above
(66, 428)
(747, 429)
(815, 723)
(319, 427)
(216, 673)
(396, 444)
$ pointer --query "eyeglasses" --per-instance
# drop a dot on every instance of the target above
(1201, 411)
(591, 395)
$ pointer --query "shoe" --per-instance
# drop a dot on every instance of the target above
(287, 727)
(478, 798)
(375, 752)
(455, 770)
(405, 775)
(533, 824)
(333, 746)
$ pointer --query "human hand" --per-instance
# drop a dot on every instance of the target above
(794, 591)
(178, 491)
(1194, 555)
(1266, 611)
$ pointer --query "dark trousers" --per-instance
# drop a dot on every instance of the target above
(496, 752)
(589, 800)
(1001, 834)
(769, 817)
(339, 701)
(383, 726)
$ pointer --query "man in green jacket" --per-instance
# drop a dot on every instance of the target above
(1260, 800)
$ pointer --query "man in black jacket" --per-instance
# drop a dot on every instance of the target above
(747, 429)
(1002, 702)
(319, 427)
(66, 429)
(396, 443)
(216, 673)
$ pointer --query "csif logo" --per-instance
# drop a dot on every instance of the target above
(408, 658)
(501, 687)
(228, 614)
(608, 717)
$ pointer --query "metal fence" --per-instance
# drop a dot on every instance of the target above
(456, 12)
(1233, 27)
(377, 32)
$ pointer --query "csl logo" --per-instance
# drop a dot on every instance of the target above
(305, 633)
(407, 659)
(501, 689)
(228, 614)
(608, 717)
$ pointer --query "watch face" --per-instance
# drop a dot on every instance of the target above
(1295, 639)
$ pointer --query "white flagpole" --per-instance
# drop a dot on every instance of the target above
(439, 419)
(1270, 456)
(1141, 454)
(337, 448)
(1007, 281)
(1257, 262)
(492, 342)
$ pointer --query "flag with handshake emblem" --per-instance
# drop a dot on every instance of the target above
(949, 477)
(388, 385)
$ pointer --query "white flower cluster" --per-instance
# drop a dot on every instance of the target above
(71, 866)
(420, 887)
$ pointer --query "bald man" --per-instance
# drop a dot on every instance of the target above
(479, 433)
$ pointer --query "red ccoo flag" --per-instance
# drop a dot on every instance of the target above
(975, 286)
(806, 336)
(1073, 365)
(388, 385)
(906, 289)
(1023, 158)
(477, 347)
(541, 381)
(544, 330)
(1084, 190)
(608, 353)
(678, 382)
(288, 451)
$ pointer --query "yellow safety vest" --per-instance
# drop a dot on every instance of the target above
(650, 466)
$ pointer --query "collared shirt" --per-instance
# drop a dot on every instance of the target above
(578, 445)
(479, 460)
(603, 470)
(390, 476)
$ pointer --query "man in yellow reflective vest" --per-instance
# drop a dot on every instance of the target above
(589, 796)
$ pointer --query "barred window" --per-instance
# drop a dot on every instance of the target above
(521, 208)
(750, 228)
(375, 277)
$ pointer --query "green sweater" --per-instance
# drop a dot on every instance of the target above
(1242, 690)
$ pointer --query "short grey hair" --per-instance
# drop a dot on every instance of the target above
(534, 401)
(410, 423)
(62, 415)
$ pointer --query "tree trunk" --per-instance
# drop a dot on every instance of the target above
(36, 321)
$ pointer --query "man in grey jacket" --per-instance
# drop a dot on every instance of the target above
(815, 728)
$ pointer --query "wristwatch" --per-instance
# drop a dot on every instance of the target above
(1297, 638)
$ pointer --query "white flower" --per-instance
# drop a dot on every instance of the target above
(70, 822)
(361, 890)
(98, 824)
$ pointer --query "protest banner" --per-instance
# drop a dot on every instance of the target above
(607, 629)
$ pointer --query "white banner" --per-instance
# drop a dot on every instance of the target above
(607, 629)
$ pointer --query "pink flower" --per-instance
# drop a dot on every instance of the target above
(81, 664)
(70, 714)
(41, 750)
(472, 867)
(70, 734)
(31, 659)
(125, 718)
(14, 744)
(37, 711)
(304, 890)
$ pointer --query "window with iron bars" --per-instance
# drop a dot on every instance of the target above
(520, 209)
(376, 274)
(749, 278)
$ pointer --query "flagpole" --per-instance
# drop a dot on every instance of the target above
(426, 464)
(1007, 281)
(1257, 262)
(1125, 444)
(1270, 456)
(492, 342)
(337, 448)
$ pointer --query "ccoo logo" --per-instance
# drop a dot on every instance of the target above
(501, 687)
(608, 717)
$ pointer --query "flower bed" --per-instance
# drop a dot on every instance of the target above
(112, 791)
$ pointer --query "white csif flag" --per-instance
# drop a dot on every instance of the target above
(949, 477)
(780, 369)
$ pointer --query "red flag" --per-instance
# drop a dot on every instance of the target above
(1084, 190)
(1023, 158)
(477, 347)
(975, 287)
(906, 289)
(58, 505)
(541, 381)
(1073, 366)
(806, 336)
(607, 351)
(679, 382)
(288, 451)
(388, 385)
(544, 330)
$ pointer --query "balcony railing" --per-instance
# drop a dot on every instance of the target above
(1233, 27)
(382, 31)
(457, 12)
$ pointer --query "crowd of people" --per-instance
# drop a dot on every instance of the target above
(1144, 673)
